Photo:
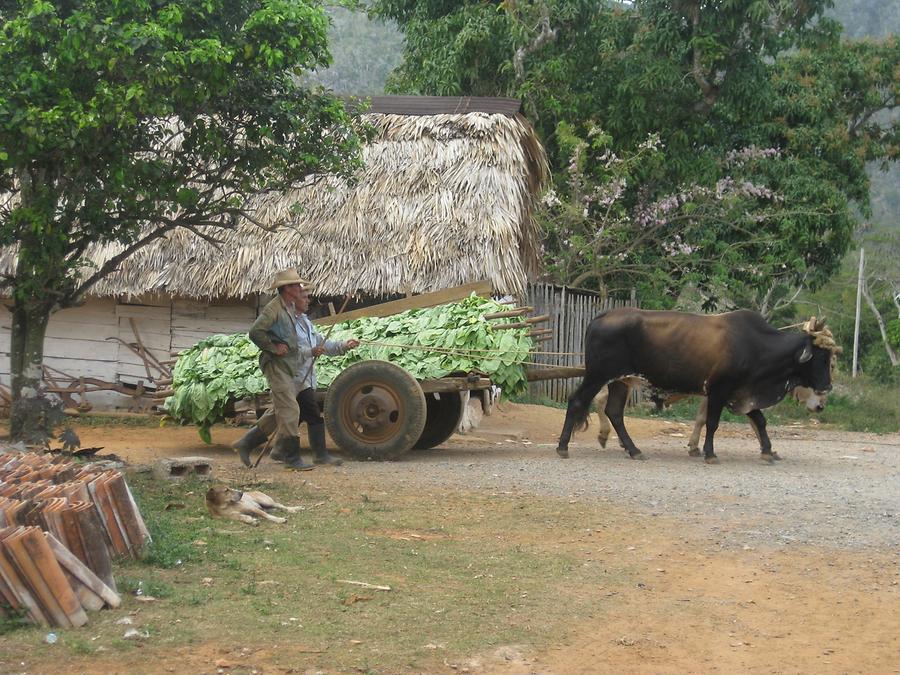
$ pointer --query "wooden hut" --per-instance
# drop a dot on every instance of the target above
(445, 197)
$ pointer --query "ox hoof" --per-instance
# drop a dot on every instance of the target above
(694, 452)
(602, 442)
(638, 455)
(712, 459)
(768, 457)
(563, 452)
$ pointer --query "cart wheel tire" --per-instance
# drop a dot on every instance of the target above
(442, 416)
(375, 410)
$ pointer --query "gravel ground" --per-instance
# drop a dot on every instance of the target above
(832, 489)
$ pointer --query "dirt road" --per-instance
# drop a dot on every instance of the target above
(741, 567)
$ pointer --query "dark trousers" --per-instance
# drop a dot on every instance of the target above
(309, 409)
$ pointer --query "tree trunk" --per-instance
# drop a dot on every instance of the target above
(892, 355)
(29, 326)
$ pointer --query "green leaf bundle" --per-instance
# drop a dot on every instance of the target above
(428, 343)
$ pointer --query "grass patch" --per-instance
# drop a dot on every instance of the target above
(854, 405)
(468, 572)
(101, 420)
(12, 619)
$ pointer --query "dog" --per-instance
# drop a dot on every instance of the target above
(246, 507)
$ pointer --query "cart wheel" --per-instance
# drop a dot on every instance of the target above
(375, 410)
(441, 419)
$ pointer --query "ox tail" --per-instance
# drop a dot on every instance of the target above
(580, 410)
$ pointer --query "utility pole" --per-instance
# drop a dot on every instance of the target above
(859, 283)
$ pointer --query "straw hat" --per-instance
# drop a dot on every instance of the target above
(287, 277)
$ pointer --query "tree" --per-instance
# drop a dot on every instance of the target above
(121, 120)
(751, 96)
(881, 289)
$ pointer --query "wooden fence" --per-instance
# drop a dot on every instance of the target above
(570, 310)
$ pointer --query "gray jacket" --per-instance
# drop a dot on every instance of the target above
(275, 324)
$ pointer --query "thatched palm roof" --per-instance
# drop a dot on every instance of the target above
(443, 199)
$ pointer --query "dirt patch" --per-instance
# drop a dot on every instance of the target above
(699, 602)
(510, 423)
(724, 612)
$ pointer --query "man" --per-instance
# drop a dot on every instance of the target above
(289, 345)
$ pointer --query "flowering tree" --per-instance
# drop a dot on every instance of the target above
(731, 239)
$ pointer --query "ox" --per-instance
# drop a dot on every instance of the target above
(804, 395)
(734, 359)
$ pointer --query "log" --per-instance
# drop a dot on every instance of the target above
(510, 326)
(512, 312)
(423, 301)
(556, 373)
(450, 384)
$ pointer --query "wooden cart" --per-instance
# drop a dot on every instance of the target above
(377, 410)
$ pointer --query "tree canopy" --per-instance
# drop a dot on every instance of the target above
(123, 119)
(719, 149)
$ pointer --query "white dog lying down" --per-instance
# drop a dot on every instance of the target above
(224, 502)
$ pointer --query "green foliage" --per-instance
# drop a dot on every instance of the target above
(893, 331)
(121, 120)
(215, 371)
(428, 343)
(763, 121)
(13, 619)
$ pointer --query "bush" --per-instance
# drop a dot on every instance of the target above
(876, 364)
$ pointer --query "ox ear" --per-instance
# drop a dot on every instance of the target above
(805, 354)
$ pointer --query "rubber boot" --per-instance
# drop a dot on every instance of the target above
(289, 448)
(316, 434)
(277, 454)
(248, 443)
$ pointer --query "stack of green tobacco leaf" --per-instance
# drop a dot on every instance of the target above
(429, 343)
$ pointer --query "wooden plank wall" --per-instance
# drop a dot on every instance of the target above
(77, 339)
(150, 319)
(75, 342)
(193, 320)
(570, 310)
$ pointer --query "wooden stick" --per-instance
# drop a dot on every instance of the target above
(265, 451)
(540, 331)
(512, 312)
(558, 372)
(538, 319)
(364, 584)
(509, 326)
(140, 351)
